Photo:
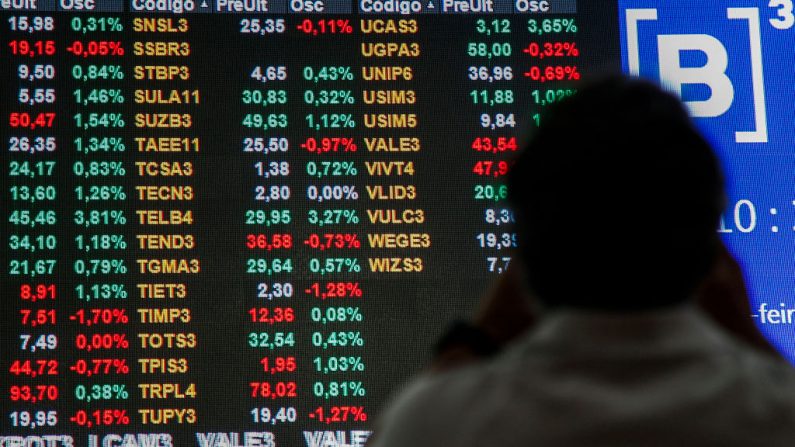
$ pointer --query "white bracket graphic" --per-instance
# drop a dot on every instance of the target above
(757, 75)
(759, 134)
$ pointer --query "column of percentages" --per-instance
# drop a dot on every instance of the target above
(83, 218)
(326, 135)
(245, 229)
(95, 336)
(303, 229)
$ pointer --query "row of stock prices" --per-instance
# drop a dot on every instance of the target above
(244, 223)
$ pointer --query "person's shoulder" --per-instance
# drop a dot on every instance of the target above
(753, 399)
(431, 408)
(768, 372)
(763, 385)
(447, 391)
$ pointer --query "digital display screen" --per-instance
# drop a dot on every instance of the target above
(244, 223)
(732, 67)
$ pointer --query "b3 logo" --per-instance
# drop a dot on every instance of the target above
(724, 60)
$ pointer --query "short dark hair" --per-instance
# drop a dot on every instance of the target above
(617, 198)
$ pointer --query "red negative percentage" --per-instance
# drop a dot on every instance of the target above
(95, 48)
(329, 144)
(334, 290)
(93, 367)
(338, 414)
(325, 26)
(100, 417)
(553, 73)
(333, 240)
(552, 49)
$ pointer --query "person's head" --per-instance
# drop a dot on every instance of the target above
(617, 199)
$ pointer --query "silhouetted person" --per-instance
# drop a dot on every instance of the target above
(639, 331)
